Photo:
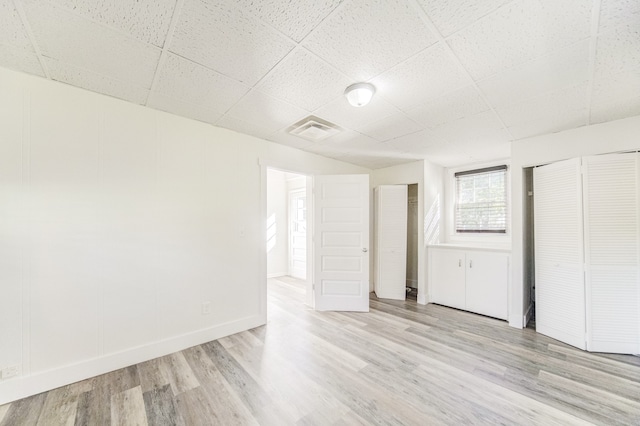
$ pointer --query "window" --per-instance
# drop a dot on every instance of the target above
(481, 200)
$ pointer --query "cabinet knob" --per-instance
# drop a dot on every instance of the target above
(459, 263)
(470, 264)
(364, 250)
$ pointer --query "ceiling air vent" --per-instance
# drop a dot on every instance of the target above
(313, 129)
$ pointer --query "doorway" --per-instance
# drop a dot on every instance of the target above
(413, 230)
(337, 260)
(286, 226)
(397, 232)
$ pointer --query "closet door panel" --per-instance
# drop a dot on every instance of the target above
(560, 297)
(391, 242)
(612, 236)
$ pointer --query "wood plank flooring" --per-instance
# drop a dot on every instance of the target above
(400, 364)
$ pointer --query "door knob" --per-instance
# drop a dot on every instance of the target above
(364, 250)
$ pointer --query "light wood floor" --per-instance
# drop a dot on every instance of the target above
(402, 364)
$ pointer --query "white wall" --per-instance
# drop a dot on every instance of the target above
(615, 136)
(429, 179)
(277, 224)
(116, 223)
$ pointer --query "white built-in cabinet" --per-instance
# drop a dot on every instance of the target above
(474, 280)
(390, 243)
(587, 252)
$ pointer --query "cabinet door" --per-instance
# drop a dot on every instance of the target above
(487, 279)
(447, 277)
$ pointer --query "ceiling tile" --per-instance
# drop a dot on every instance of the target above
(340, 112)
(520, 31)
(185, 109)
(284, 138)
(147, 21)
(20, 60)
(243, 126)
(95, 82)
(618, 51)
(295, 20)
(446, 154)
(304, 80)
(91, 46)
(16, 51)
(488, 151)
(414, 142)
(450, 16)
(429, 74)
(608, 111)
(390, 127)
(266, 112)
(547, 104)
(328, 150)
(363, 38)
(617, 13)
(621, 88)
(562, 68)
(12, 31)
(187, 81)
(224, 38)
(479, 128)
(450, 107)
(550, 124)
(547, 113)
(350, 141)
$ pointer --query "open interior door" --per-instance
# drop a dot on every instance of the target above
(390, 276)
(560, 295)
(341, 242)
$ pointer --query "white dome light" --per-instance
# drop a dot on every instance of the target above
(359, 94)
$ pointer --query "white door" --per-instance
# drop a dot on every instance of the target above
(298, 234)
(487, 281)
(447, 277)
(560, 295)
(341, 242)
(391, 242)
(612, 236)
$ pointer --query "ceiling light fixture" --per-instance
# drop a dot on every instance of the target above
(359, 94)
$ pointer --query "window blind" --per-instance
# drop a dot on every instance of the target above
(481, 200)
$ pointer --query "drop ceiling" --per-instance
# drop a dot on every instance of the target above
(456, 80)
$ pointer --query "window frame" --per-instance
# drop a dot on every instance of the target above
(498, 238)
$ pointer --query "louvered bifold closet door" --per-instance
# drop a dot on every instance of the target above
(560, 298)
(612, 236)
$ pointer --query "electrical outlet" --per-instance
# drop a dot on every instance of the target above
(206, 308)
(11, 371)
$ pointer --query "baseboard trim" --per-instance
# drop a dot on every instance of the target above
(276, 275)
(22, 387)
